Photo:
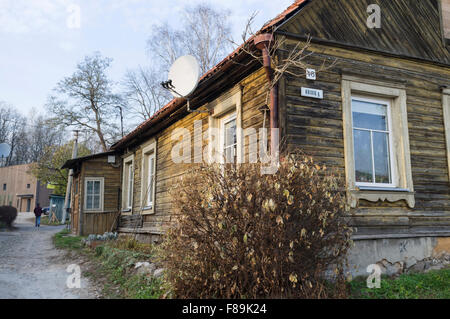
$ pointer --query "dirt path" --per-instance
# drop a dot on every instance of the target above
(30, 266)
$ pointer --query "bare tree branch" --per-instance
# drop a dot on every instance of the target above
(204, 35)
(286, 59)
(88, 100)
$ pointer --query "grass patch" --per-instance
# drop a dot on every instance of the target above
(65, 240)
(46, 221)
(432, 285)
(111, 266)
(117, 265)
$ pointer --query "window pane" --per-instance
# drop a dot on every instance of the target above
(89, 187)
(230, 154)
(363, 156)
(230, 133)
(97, 187)
(150, 180)
(381, 156)
(130, 185)
(96, 204)
(369, 115)
(88, 201)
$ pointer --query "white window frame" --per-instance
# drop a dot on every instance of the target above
(224, 108)
(404, 187)
(128, 162)
(392, 161)
(102, 190)
(446, 111)
(223, 121)
(148, 152)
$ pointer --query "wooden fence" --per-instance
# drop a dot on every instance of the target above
(99, 223)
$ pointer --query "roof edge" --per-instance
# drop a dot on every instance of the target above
(176, 104)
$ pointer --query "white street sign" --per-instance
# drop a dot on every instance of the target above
(313, 93)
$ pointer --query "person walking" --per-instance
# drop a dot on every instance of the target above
(38, 213)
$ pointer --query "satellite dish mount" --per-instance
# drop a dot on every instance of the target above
(184, 75)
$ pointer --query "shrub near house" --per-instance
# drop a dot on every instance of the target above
(242, 234)
(7, 215)
(380, 115)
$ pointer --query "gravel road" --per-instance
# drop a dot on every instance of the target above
(30, 266)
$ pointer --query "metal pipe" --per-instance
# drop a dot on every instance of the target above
(263, 42)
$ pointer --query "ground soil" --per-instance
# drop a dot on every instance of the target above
(32, 268)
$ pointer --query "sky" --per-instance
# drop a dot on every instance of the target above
(41, 41)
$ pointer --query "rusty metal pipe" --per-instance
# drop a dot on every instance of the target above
(263, 42)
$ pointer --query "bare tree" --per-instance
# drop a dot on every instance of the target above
(144, 93)
(204, 34)
(28, 137)
(19, 143)
(13, 132)
(41, 135)
(6, 118)
(85, 100)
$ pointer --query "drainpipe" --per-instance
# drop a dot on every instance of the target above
(263, 42)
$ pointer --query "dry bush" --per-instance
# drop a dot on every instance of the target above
(240, 234)
(7, 215)
(132, 244)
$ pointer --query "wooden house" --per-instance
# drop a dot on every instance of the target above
(95, 193)
(381, 115)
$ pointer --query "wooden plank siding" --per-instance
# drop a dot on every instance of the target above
(105, 220)
(316, 128)
(407, 52)
(254, 92)
(409, 28)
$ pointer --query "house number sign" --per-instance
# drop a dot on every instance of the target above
(311, 74)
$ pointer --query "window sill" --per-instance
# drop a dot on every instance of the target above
(375, 194)
(126, 211)
(92, 211)
(148, 210)
(381, 189)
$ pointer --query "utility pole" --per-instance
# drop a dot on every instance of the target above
(121, 118)
(67, 202)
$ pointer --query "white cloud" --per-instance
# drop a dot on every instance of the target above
(32, 16)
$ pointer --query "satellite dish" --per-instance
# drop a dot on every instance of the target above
(184, 75)
(5, 149)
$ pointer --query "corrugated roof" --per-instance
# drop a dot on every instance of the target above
(177, 103)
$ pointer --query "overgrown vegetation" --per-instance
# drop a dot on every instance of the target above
(432, 285)
(65, 240)
(117, 266)
(48, 168)
(240, 234)
(8, 215)
(111, 265)
(46, 221)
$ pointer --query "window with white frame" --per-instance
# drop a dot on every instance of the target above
(372, 142)
(225, 123)
(148, 177)
(376, 141)
(128, 182)
(93, 198)
(228, 135)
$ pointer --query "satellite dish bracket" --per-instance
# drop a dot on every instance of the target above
(169, 86)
